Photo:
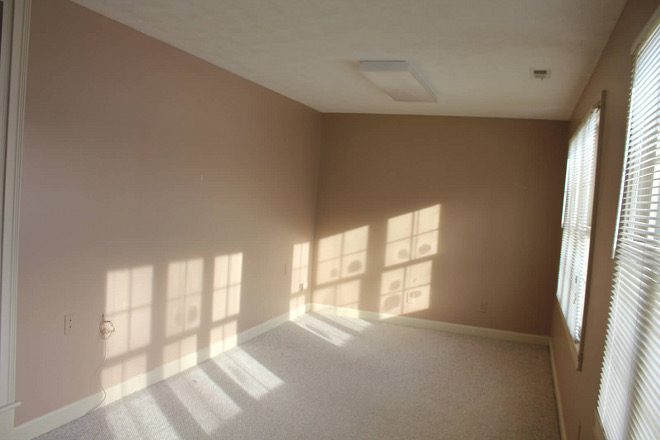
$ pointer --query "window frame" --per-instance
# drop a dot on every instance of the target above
(576, 348)
(651, 27)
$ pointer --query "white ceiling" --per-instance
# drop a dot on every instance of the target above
(475, 54)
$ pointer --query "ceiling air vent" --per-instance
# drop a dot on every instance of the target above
(539, 74)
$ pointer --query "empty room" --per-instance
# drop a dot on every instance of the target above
(348, 219)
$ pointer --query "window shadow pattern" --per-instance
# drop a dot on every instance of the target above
(410, 244)
(203, 293)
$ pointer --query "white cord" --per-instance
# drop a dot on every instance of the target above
(98, 376)
(104, 337)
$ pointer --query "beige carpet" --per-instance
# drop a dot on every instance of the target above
(324, 377)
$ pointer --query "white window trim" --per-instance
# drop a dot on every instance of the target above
(577, 347)
(18, 18)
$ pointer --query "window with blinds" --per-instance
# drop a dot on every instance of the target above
(576, 222)
(629, 398)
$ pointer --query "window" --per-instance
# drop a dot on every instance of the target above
(576, 224)
(629, 398)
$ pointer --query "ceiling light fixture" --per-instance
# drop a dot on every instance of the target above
(398, 80)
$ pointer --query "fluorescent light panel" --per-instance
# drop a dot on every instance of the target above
(398, 80)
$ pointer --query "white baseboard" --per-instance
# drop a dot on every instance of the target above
(433, 325)
(61, 416)
(555, 384)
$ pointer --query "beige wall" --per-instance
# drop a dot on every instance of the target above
(579, 390)
(491, 233)
(117, 218)
(150, 176)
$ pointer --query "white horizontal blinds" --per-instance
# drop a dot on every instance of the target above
(576, 222)
(629, 399)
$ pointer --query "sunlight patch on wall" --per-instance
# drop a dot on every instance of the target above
(346, 294)
(255, 379)
(342, 255)
(227, 279)
(228, 272)
(119, 369)
(128, 304)
(412, 236)
(223, 337)
(184, 295)
(300, 267)
(180, 347)
(406, 289)
(299, 279)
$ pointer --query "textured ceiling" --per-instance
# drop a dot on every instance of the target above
(475, 55)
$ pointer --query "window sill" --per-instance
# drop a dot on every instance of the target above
(573, 347)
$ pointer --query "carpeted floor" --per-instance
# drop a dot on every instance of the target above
(324, 377)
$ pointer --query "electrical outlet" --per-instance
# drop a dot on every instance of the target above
(483, 307)
(68, 324)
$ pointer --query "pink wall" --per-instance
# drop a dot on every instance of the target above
(453, 211)
(579, 389)
(117, 218)
(149, 176)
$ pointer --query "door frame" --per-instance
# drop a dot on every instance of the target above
(13, 71)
